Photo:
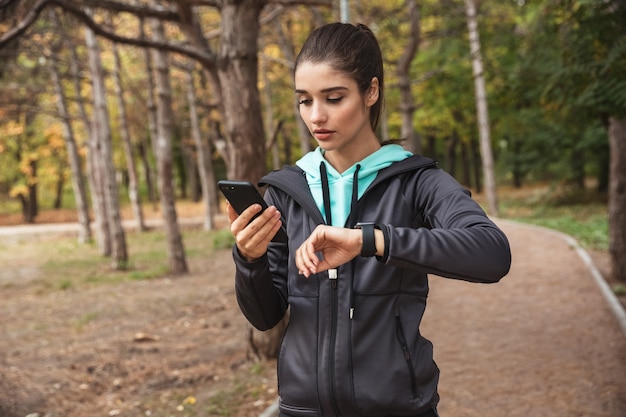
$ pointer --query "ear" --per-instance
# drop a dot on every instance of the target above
(373, 93)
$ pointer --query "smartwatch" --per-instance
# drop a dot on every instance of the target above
(369, 240)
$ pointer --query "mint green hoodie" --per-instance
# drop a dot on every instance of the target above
(341, 185)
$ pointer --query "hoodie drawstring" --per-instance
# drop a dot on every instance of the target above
(332, 273)
(355, 188)
(326, 193)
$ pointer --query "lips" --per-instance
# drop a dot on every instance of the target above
(322, 134)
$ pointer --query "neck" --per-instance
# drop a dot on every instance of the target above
(343, 158)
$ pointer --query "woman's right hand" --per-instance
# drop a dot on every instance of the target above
(253, 239)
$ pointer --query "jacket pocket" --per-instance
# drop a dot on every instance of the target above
(407, 355)
(391, 368)
(297, 364)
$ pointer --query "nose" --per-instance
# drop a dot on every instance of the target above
(318, 113)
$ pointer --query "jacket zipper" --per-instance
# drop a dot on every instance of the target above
(407, 355)
(332, 276)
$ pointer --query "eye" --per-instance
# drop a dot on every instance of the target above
(334, 100)
(304, 101)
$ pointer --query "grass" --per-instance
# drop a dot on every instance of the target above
(65, 265)
(581, 214)
(243, 386)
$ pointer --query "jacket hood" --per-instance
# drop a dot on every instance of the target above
(347, 187)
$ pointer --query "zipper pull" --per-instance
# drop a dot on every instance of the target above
(351, 312)
(332, 275)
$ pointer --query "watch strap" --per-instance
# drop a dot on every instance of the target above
(369, 239)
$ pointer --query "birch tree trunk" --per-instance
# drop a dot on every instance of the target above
(272, 145)
(617, 197)
(176, 250)
(94, 171)
(205, 165)
(133, 186)
(102, 131)
(482, 109)
(290, 56)
(407, 105)
(152, 123)
(78, 183)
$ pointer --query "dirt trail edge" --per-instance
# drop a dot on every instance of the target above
(542, 342)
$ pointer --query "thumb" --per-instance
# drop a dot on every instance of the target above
(232, 214)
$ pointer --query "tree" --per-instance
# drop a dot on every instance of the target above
(590, 80)
(617, 197)
(176, 252)
(407, 107)
(203, 151)
(482, 109)
(78, 183)
(133, 182)
(101, 133)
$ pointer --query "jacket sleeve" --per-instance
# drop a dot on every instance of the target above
(456, 238)
(262, 300)
(261, 285)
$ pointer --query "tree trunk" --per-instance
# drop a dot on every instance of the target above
(482, 110)
(477, 166)
(451, 143)
(287, 49)
(466, 165)
(403, 71)
(176, 250)
(133, 186)
(33, 200)
(103, 237)
(205, 164)
(78, 182)
(102, 132)
(29, 201)
(238, 74)
(152, 124)
(272, 144)
(60, 184)
(94, 169)
(617, 197)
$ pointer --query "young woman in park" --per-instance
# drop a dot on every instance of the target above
(366, 222)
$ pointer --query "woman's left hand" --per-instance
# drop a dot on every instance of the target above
(337, 246)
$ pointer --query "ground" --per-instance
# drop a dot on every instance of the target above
(542, 343)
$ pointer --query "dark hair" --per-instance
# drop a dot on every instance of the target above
(351, 49)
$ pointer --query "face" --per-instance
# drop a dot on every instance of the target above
(335, 111)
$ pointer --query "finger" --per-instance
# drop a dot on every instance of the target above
(257, 235)
(302, 262)
(250, 212)
(309, 258)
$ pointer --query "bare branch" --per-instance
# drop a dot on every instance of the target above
(204, 57)
(273, 14)
(24, 24)
(139, 10)
(211, 3)
(327, 3)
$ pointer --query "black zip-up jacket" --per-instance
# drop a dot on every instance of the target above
(353, 345)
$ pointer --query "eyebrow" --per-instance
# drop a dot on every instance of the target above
(325, 90)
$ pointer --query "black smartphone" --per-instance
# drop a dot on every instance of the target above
(241, 195)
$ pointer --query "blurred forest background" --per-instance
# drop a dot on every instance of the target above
(140, 104)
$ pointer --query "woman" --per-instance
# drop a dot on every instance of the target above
(366, 223)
